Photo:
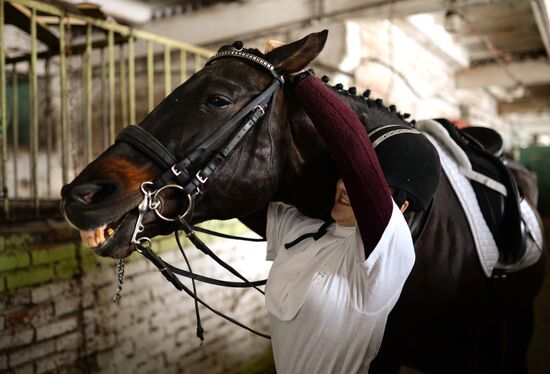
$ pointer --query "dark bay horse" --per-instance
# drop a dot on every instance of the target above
(450, 318)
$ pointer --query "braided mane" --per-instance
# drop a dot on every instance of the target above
(372, 112)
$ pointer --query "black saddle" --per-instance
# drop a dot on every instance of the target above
(502, 213)
(485, 138)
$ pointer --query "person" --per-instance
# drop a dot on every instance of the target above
(329, 293)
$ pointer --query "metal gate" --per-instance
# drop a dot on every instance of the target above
(68, 84)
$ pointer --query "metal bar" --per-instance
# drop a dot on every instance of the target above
(64, 111)
(150, 77)
(198, 63)
(183, 65)
(81, 48)
(167, 71)
(34, 114)
(29, 130)
(118, 28)
(15, 129)
(89, 94)
(123, 86)
(48, 120)
(3, 113)
(104, 100)
(75, 49)
(80, 129)
(176, 44)
(111, 53)
(132, 79)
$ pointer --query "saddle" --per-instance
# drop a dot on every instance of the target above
(499, 202)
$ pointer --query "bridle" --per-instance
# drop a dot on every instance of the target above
(190, 174)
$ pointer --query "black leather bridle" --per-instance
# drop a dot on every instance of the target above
(190, 174)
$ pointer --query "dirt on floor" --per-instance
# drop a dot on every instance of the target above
(539, 350)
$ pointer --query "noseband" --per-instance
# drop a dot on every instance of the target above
(190, 174)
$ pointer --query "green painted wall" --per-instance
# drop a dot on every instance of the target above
(538, 160)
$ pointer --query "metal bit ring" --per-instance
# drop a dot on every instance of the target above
(157, 204)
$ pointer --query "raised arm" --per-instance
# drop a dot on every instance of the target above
(351, 148)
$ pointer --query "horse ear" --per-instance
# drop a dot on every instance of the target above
(293, 57)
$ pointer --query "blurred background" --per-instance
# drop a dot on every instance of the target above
(72, 74)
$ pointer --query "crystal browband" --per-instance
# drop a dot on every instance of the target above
(248, 56)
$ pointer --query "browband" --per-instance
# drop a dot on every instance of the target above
(248, 56)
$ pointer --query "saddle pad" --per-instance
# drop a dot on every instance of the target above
(534, 242)
(454, 162)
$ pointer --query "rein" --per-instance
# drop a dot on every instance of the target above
(190, 174)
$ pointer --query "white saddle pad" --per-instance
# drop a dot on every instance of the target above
(457, 168)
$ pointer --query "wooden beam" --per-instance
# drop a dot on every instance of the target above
(19, 16)
(527, 44)
(491, 13)
(527, 72)
(526, 105)
(510, 33)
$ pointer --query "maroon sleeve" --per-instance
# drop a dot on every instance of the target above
(351, 148)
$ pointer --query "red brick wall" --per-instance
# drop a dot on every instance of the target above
(57, 314)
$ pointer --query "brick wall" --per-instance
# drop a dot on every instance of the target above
(57, 314)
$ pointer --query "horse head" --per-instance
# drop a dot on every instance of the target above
(102, 201)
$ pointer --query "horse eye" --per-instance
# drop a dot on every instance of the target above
(217, 102)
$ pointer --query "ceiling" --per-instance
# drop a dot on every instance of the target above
(511, 27)
(508, 47)
(506, 42)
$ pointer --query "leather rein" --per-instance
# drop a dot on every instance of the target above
(190, 174)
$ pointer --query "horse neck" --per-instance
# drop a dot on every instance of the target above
(309, 176)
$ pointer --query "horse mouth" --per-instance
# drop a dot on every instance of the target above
(96, 237)
(111, 239)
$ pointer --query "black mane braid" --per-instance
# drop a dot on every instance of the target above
(370, 110)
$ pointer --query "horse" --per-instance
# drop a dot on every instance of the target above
(450, 317)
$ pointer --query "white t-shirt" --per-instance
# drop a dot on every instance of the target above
(328, 306)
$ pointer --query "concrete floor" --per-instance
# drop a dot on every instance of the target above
(539, 351)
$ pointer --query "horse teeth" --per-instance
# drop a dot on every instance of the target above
(110, 231)
(99, 236)
(93, 238)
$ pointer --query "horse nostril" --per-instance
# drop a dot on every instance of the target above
(85, 192)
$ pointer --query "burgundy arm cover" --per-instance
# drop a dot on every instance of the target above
(352, 150)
